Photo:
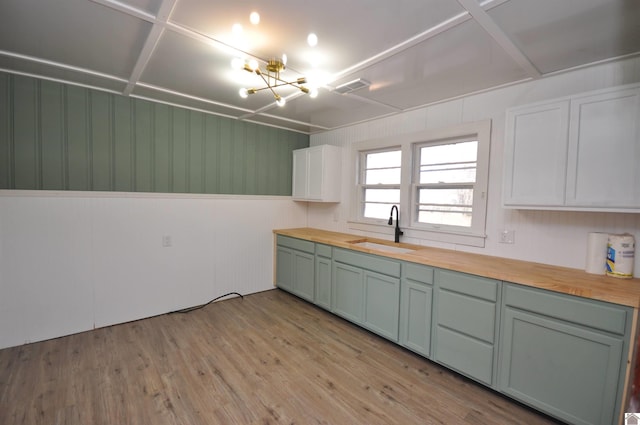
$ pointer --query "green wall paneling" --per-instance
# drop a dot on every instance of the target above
(55, 136)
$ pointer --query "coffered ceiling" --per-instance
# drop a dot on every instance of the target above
(412, 52)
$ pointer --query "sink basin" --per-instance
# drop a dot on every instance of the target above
(382, 247)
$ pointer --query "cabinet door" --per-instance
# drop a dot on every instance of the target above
(323, 282)
(284, 268)
(536, 154)
(382, 304)
(304, 276)
(415, 316)
(347, 292)
(604, 150)
(300, 171)
(315, 173)
(567, 371)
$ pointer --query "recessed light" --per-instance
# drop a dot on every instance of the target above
(254, 18)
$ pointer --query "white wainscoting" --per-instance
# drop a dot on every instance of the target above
(72, 261)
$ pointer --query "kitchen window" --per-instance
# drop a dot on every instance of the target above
(437, 178)
(380, 187)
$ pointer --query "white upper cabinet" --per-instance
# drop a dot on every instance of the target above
(576, 153)
(316, 174)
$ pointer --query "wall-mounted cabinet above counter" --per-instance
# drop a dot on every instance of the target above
(577, 153)
(316, 174)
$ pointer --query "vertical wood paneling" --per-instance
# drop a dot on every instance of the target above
(196, 145)
(77, 173)
(5, 133)
(224, 158)
(179, 159)
(250, 159)
(25, 136)
(239, 158)
(143, 146)
(123, 169)
(100, 140)
(211, 155)
(59, 137)
(52, 140)
(162, 152)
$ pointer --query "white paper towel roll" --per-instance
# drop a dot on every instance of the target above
(597, 253)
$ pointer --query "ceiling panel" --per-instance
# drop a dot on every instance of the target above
(556, 35)
(73, 32)
(331, 109)
(348, 31)
(461, 60)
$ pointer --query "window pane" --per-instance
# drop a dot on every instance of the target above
(390, 196)
(384, 176)
(448, 218)
(384, 159)
(452, 197)
(449, 153)
(448, 173)
(449, 163)
(373, 210)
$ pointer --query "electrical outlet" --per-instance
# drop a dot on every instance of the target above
(166, 241)
(508, 236)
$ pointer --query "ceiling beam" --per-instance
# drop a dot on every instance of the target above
(489, 25)
(164, 13)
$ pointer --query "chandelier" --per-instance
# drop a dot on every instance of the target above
(271, 77)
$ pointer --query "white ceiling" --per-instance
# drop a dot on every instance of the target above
(413, 52)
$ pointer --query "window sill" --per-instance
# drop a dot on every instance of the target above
(467, 239)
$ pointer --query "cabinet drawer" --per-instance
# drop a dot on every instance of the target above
(470, 316)
(418, 273)
(594, 314)
(323, 250)
(463, 283)
(465, 354)
(368, 262)
(299, 244)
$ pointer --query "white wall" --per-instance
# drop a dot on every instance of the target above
(72, 261)
(551, 237)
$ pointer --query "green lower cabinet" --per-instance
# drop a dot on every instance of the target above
(416, 297)
(303, 271)
(381, 304)
(323, 277)
(284, 268)
(295, 266)
(465, 324)
(556, 363)
(347, 292)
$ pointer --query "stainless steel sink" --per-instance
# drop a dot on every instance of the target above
(383, 247)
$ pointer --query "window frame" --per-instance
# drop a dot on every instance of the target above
(413, 232)
(362, 154)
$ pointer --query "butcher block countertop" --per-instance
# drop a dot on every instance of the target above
(559, 279)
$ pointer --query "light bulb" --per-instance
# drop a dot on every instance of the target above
(236, 29)
(284, 58)
(313, 92)
(254, 18)
(312, 40)
(281, 102)
(253, 64)
(244, 93)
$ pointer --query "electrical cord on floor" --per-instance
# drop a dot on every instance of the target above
(198, 307)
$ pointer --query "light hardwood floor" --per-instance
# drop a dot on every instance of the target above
(269, 358)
